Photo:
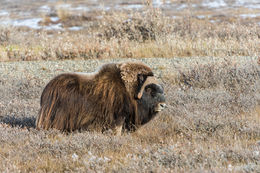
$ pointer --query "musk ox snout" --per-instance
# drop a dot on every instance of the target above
(161, 102)
(119, 96)
(160, 107)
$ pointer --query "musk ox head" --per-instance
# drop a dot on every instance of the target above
(117, 96)
(151, 100)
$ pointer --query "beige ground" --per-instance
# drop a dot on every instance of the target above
(212, 122)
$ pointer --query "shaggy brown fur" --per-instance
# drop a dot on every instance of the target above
(104, 100)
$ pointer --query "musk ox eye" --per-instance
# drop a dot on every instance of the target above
(148, 90)
(140, 78)
(151, 91)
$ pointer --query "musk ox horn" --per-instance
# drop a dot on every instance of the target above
(149, 80)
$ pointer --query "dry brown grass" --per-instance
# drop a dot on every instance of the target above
(131, 34)
(212, 123)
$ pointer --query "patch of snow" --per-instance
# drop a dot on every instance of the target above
(249, 15)
(214, 3)
(102, 8)
(81, 9)
(157, 3)
(255, 4)
(31, 23)
(45, 9)
(182, 6)
(132, 6)
(55, 19)
(168, 2)
(75, 28)
(201, 17)
(4, 13)
(53, 27)
(5, 22)
(243, 2)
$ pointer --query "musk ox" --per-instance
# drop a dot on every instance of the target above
(119, 96)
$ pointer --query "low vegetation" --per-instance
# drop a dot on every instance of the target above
(212, 122)
(133, 34)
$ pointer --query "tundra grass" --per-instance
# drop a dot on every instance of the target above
(123, 34)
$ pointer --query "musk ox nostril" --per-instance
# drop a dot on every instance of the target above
(162, 105)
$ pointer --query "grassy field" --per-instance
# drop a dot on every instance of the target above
(208, 67)
(132, 34)
(212, 122)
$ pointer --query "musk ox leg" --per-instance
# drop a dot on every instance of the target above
(117, 130)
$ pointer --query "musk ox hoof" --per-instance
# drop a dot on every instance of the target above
(119, 97)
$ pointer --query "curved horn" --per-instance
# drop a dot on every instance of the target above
(149, 80)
